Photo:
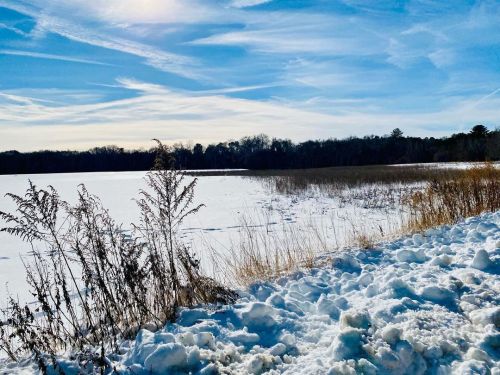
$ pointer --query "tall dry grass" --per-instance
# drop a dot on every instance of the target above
(446, 201)
(336, 179)
(259, 254)
(267, 252)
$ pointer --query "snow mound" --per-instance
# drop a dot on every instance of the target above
(425, 304)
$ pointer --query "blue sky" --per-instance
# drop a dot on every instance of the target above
(75, 73)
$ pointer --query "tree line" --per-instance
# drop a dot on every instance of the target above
(262, 152)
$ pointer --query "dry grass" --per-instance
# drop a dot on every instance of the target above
(267, 254)
(446, 197)
(446, 201)
(364, 241)
(296, 181)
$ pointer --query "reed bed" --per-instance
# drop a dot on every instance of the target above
(447, 197)
(446, 201)
(267, 254)
(295, 181)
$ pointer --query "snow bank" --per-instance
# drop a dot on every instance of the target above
(423, 304)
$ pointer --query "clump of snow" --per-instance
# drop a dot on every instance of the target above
(391, 334)
(486, 316)
(443, 260)
(166, 357)
(481, 260)
(411, 256)
(438, 294)
(425, 304)
(355, 318)
(347, 344)
(328, 307)
(258, 314)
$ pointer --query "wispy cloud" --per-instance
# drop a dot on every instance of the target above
(232, 90)
(173, 116)
(155, 57)
(16, 99)
(476, 103)
(13, 29)
(165, 61)
(287, 68)
(248, 3)
(49, 56)
(292, 33)
(124, 12)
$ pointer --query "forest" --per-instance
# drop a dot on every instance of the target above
(263, 152)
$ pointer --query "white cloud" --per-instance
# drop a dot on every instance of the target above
(295, 33)
(16, 99)
(248, 3)
(155, 57)
(173, 116)
(13, 29)
(339, 65)
(443, 57)
(125, 11)
(49, 56)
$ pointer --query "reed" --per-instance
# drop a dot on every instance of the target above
(446, 201)
(445, 198)
(267, 254)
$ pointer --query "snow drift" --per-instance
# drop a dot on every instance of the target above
(422, 304)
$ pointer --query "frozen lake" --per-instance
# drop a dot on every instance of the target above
(228, 200)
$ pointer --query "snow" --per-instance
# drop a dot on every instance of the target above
(481, 260)
(425, 303)
(446, 165)
(166, 357)
(227, 199)
(367, 311)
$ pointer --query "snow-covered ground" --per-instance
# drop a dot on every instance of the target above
(427, 303)
(449, 165)
(227, 199)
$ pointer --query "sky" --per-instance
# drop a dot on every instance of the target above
(76, 74)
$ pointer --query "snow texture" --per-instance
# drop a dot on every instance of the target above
(228, 202)
(424, 304)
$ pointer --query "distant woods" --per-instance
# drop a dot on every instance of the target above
(262, 152)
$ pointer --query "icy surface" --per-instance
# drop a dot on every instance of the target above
(434, 310)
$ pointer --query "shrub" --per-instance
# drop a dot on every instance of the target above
(96, 284)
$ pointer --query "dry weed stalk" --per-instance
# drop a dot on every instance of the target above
(96, 285)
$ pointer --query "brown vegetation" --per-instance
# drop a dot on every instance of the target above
(264, 255)
(96, 284)
(442, 197)
(445, 201)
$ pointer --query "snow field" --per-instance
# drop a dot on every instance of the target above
(219, 225)
(422, 304)
(426, 303)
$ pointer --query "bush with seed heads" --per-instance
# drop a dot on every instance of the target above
(96, 284)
